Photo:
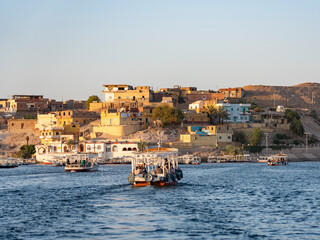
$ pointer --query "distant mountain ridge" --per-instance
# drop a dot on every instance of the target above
(304, 95)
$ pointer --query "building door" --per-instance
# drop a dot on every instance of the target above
(234, 119)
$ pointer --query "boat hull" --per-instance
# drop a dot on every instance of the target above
(141, 184)
(163, 184)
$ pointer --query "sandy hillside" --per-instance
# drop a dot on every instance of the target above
(298, 96)
(11, 142)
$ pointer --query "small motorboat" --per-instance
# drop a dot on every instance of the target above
(157, 167)
(277, 159)
(81, 163)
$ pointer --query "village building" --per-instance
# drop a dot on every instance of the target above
(196, 105)
(193, 117)
(51, 131)
(75, 116)
(237, 113)
(22, 126)
(124, 92)
(232, 92)
(118, 123)
(212, 135)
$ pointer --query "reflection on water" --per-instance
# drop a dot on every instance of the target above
(231, 201)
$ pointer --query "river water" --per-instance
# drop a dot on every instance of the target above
(219, 201)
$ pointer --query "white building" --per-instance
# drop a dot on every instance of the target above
(196, 105)
(104, 149)
(237, 113)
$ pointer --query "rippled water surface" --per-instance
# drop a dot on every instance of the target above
(222, 201)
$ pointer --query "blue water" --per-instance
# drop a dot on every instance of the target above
(220, 201)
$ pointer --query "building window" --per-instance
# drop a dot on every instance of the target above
(115, 149)
(220, 137)
(108, 149)
(134, 149)
(99, 147)
(124, 149)
(229, 137)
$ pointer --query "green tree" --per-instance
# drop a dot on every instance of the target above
(291, 115)
(142, 145)
(168, 115)
(211, 113)
(297, 127)
(93, 98)
(26, 151)
(256, 137)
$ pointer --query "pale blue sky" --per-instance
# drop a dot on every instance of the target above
(70, 48)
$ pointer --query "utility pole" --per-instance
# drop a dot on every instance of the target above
(307, 134)
(267, 138)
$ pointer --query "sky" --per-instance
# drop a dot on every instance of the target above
(69, 49)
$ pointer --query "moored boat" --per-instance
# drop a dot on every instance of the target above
(189, 159)
(81, 163)
(158, 167)
(9, 163)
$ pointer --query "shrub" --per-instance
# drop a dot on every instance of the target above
(314, 114)
(296, 142)
(276, 141)
(232, 150)
(281, 136)
(239, 136)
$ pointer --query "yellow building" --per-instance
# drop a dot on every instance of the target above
(75, 116)
(50, 131)
(124, 92)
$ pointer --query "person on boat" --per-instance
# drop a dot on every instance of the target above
(144, 169)
(68, 161)
(138, 170)
(159, 170)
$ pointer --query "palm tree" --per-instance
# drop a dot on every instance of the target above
(142, 145)
(211, 112)
(222, 114)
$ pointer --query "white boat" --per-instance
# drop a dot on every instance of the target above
(81, 163)
(214, 159)
(263, 159)
(9, 162)
(158, 167)
(189, 159)
(277, 159)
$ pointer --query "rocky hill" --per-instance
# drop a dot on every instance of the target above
(298, 96)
